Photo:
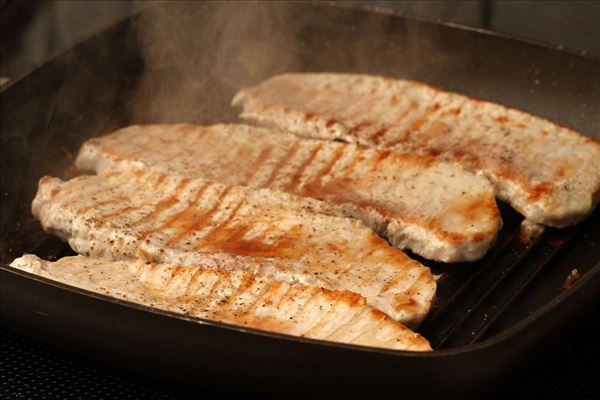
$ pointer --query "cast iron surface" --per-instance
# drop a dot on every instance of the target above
(490, 316)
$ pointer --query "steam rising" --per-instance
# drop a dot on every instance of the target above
(197, 57)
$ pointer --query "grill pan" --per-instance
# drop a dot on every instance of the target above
(492, 320)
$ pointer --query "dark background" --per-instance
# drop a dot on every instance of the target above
(33, 31)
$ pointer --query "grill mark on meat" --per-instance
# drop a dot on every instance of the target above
(417, 123)
(350, 166)
(160, 207)
(295, 180)
(306, 306)
(378, 135)
(290, 300)
(246, 286)
(430, 122)
(193, 282)
(213, 299)
(176, 218)
(191, 219)
(242, 153)
(268, 299)
(392, 283)
(415, 286)
(359, 333)
(226, 301)
(282, 296)
(284, 159)
(410, 107)
(318, 323)
(330, 123)
(413, 127)
(308, 116)
(174, 273)
(380, 317)
(285, 247)
(206, 285)
(247, 281)
(399, 139)
(118, 212)
(331, 163)
(244, 311)
(219, 234)
(437, 127)
(263, 156)
(165, 205)
(231, 239)
(339, 331)
(379, 157)
(160, 180)
(357, 129)
(270, 287)
(403, 302)
(144, 255)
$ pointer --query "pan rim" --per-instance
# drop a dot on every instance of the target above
(375, 9)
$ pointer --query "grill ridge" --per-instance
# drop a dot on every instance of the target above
(472, 308)
(525, 284)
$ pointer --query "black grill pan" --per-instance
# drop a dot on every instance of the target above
(492, 320)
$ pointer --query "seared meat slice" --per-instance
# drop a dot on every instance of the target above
(547, 172)
(174, 220)
(233, 297)
(438, 210)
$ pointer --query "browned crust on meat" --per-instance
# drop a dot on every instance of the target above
(350, 298)
(340, 191)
